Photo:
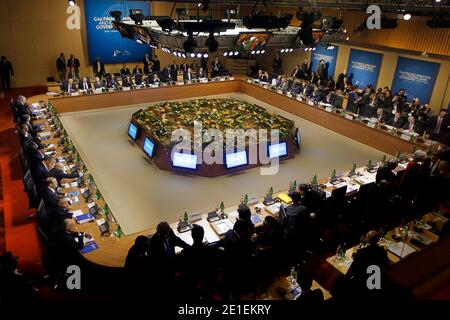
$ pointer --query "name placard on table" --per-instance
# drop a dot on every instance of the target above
(349, 117)
(371, 124)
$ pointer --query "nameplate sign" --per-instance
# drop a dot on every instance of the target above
(279, 91)
(98, 90)
(405, 137)
(180, 83)
(204, 81)
(349, 117)
(329, 109)
(310, 103)
(75, 94)
(222, 79)
(299, 98)
(289, 94)
(249, 80)
(126, 88)
(371, 124)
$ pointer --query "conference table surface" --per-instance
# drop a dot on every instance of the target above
(113, 250)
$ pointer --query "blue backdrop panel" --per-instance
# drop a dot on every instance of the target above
(365, 67)
(417, 77)
(106, 43)
(329, 56)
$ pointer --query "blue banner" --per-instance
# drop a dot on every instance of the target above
(328, 56)
(107, 43)
(417, 77)
(365, 67)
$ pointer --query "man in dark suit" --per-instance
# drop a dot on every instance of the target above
(156, 64)
(167, 75)
(137, 264)
(21, 108)
(98, 83)
(396, 121)
(305, 70)
(413, 126)
(32, 130)
(85, 85)
(199, 266)
(296, 73)
(381, 116)
(147, 64)
(216, 68)
(188, 75)
(137, 71)
(162, 255)
(386, 173)
(50, 197)
(201, 73)
(98, 68)
(184, 67)
(40, 173)
(6, 71)
(439, 127)
(61, 67)
(74, 65)
(294, 222)
(125, 71)
(67, 243)
(68, 86)
(174, 71)
(155, 79)
(372, 254)
(58, 173)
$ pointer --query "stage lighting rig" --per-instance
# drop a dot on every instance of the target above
(263, 21)
(212, 43)
(190, 43)
(137, 15)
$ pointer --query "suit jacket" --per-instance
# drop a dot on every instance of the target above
(33, 154)
(65, 87)
(21, 109)
(395, 123)
(296, 73)
(75, 63)
(96, 70)
(384, 173)
(184, 67)
(99, 85)
(167, 75)
(156, 65)
(61, 64)
(137, 71)
(162, 257)
(59, 175)
(50, 199)
(416, 127)
(445, 125)
(88, 84)
(295, 216)
(125, 72)
(6, 68)
(39, 174)
(186, 76)
(201, 74)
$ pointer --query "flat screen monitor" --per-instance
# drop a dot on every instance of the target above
(249, 41)
(278, 150)
(237, 159)
(149, 147)
(132, 131)
(184, 160)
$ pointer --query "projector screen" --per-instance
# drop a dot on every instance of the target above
(233, 160)
(132, 131)
(184, 160)
(278, 150)
(149, 147)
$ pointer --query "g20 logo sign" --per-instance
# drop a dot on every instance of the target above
(73, 21)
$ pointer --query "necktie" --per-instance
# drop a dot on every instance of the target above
(167, 247)
(438, 126)
(411, 127)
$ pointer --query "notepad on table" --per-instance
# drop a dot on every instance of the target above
(222, 226)
(285, 198)
(86, 217)
(89, 247)
(400, 249)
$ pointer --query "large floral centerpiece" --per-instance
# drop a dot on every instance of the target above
(164, 118)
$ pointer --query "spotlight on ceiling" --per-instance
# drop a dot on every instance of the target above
(139, 41)
(225, 54)
(190, 43)
(199, 55)
(205, 55)
(407, 16)
(137, 15)
(291, 50)
(192, 55)
(72, 3)
(330, 46)
(253, 52)
(236, 53)
(212, 43)
(117, 15)
(282, 50)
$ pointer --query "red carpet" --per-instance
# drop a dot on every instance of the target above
(17, 233)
